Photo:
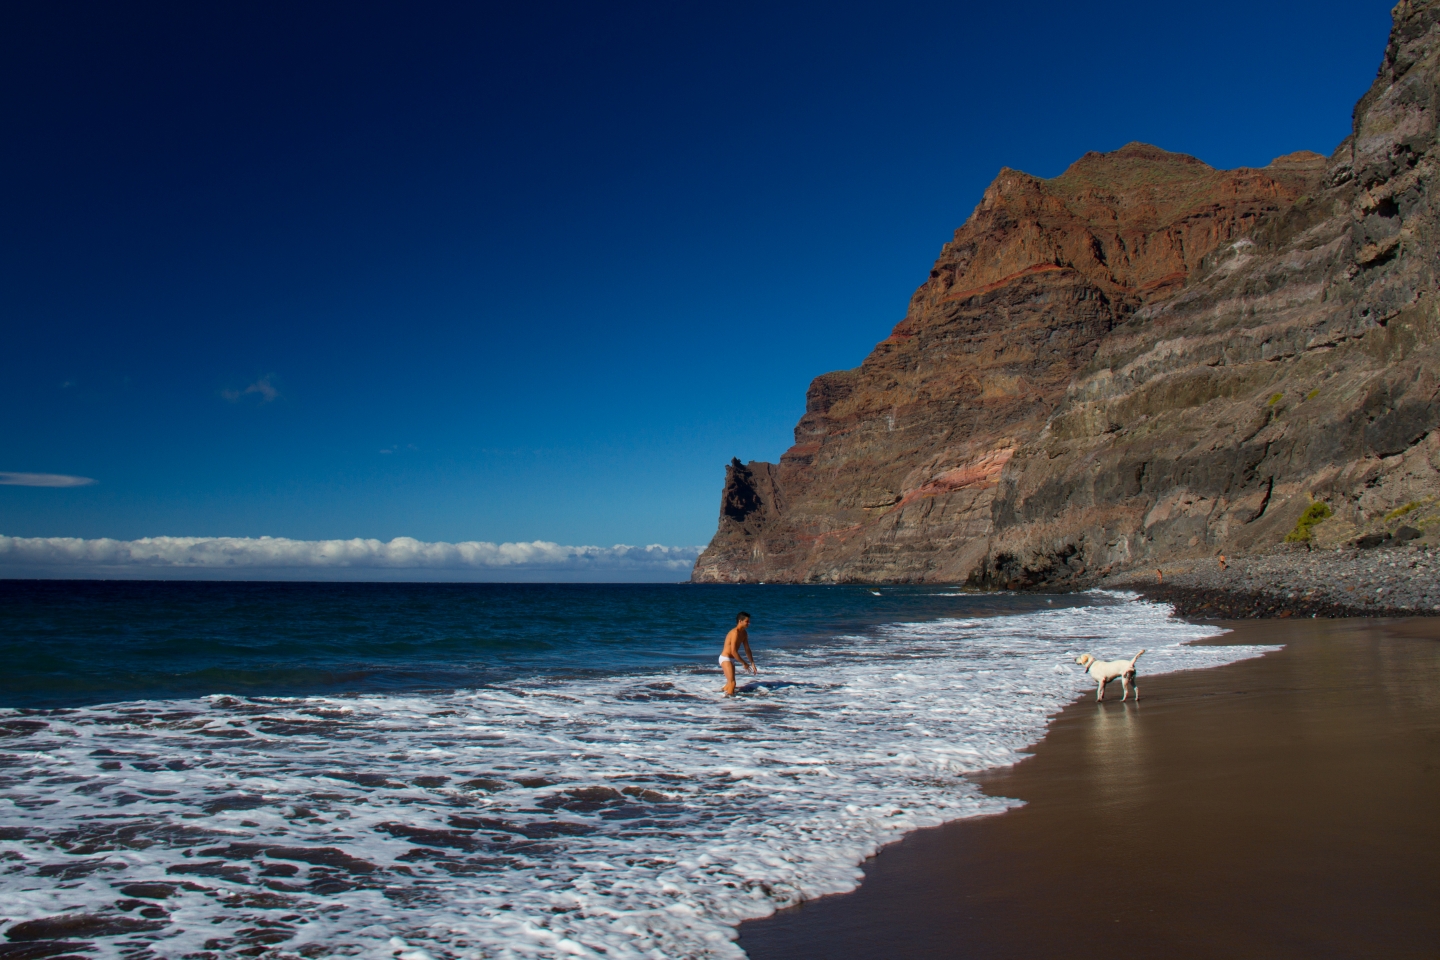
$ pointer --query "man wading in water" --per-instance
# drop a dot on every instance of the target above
(734, 640)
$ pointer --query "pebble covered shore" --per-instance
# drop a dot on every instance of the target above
(1391, 581)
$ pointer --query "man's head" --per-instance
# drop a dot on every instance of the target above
(742, 618)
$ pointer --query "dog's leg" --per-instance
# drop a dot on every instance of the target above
(1125, 683)
(1100, 692)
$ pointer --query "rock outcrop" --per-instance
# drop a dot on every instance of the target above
(1143, 358)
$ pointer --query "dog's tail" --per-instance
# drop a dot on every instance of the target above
(1134, 658)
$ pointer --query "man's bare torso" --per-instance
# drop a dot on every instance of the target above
(733, 640)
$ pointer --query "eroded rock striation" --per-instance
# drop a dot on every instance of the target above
(1142, 359)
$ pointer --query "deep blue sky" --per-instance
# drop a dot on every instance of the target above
(562, 261)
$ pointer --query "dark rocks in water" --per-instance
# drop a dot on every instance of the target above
(483, 823)
(45, 950)
(485, 784)
(322, 857)
(79, 925)
(149, 891)
(235, 802)
(457, 839)
(475, 865)
(328, 886)
(649, 796)
(279, 870)
(582, 799)
(317, 856)
(89, 838)
(368, 780)
(21, 728)
(550, 829)
(261, 901)
(218, 869)
(76, 869)
(252, 941)
(225, 733)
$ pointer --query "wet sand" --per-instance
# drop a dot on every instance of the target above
(1282, 807)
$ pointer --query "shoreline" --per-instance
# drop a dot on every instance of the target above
(1174, 826)
(1212, 603)
(1388, 581)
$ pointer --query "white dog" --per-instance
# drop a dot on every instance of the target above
(1106, 670)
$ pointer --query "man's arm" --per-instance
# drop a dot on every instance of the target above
(748, 654)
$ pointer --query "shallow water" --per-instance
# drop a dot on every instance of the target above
(75, 643)
(534, 810)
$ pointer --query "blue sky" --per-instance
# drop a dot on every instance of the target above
(472, 272)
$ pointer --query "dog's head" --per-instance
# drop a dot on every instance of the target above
(1085, 660)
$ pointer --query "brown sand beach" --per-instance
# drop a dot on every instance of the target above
(1286, 806)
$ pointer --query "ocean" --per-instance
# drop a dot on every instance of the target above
(194, 770)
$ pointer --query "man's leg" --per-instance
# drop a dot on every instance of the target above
(729, 667)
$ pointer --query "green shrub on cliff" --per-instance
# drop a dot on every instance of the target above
(1313, 514)
(1399, 512)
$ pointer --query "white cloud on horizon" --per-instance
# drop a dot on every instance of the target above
(323, 559)
(42, 480)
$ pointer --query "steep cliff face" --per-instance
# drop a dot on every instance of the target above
(1141, 358)
(1300, 361)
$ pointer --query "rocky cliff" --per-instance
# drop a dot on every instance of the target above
(1143, 358)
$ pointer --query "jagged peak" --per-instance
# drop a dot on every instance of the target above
(1134, 161)
(1144, 185)
(1300, 158)
(1010, 179)
(1132, 165)
(1137, 164)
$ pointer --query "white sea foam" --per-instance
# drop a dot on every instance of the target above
(641, 816)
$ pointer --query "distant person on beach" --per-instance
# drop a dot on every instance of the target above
(734, 640)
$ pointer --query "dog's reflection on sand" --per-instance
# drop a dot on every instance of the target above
(1118, 747)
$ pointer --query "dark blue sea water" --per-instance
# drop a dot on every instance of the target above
(69, 643)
